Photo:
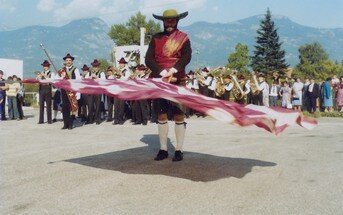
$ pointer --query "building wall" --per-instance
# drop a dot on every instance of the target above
(11, 67)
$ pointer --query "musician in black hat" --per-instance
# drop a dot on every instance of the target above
(168, 54)
(140, 107)
(82, 102)
(94, 101)
(119, 105)
(69, 98)
(45, 92)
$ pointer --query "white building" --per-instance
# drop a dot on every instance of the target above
(11, 67)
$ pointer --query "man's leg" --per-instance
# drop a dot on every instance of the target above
(180, 129)
(163, 135)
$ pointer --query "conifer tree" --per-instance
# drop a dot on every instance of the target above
(268, 55)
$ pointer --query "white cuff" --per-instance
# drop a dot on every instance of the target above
(173, 70)
(163, 73)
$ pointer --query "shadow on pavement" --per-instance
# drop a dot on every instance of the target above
(194, 167)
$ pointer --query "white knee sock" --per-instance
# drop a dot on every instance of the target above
(55, 114)
(180, 129)
(163, 134)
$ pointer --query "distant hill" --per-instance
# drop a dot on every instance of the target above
(215, 40)
(87, 39)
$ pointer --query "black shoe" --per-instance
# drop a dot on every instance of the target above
(145, 123)
(121, 122)
(50, 122)
(109, 120)
(98, 122)
(178, 156)
(115, 122)
(70, 127)
(40, 123)
(162, 154)
(136, 123)
(64, 127)
(54, 120)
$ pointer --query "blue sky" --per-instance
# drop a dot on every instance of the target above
(21, 13)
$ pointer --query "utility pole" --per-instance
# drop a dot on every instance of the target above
(197, 52)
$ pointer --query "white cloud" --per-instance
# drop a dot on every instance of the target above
(7, 6)
(46, 5)
(105, 9)
(113, 11)
(157, 7)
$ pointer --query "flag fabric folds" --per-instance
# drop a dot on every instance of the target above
(274, 120)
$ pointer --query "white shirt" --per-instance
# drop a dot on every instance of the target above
(297, 88)
(76, 72)
(228, 87)
(213, 84)
(264, 87)
(126, 73)
(310, 88)
(273, 91)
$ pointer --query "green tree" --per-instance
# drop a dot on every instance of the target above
(312, 53)
(268, 55)
(239, 59)
(104, 64)
(129, 33)
(315, 62)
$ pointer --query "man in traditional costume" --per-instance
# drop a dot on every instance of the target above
(45, 92)
(168, 54)
(69, 98)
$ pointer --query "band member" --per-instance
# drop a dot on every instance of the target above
(264, 90)
(241, 93)
(82, 102)
(45, 92)
(228, 87)
(119, 109)
(140, 107)
(193, 84)
(168, 54)
(203, 81)
(110, 99)
(94, 101)
(69, 98)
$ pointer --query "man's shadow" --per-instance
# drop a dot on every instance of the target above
(194, 167)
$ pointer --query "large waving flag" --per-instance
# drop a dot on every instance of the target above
(274, 120)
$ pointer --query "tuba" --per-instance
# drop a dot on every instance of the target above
(237, 90)
(220, 86)
(254, 84)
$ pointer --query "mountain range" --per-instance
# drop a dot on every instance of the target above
(87, 39)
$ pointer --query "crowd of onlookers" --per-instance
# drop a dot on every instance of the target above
(12, 90)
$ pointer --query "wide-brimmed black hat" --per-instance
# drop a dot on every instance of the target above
(68, 56)
(85, 68)
(170, 14)
(46, 63)
(95, 63)
(122, 60)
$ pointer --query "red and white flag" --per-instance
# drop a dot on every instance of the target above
(274, 120)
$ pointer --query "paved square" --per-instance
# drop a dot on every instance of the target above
(107, 169)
